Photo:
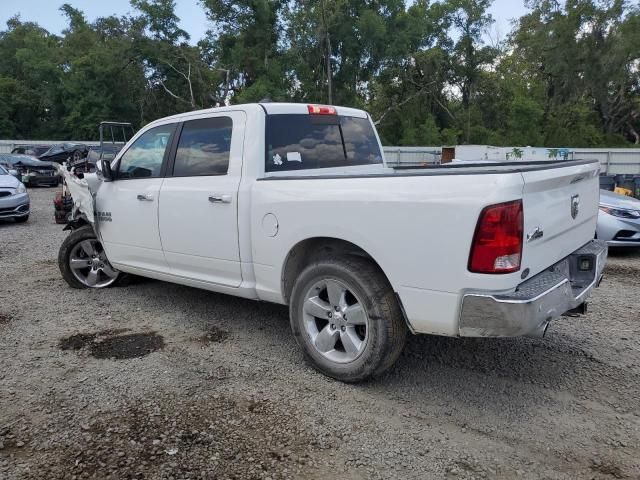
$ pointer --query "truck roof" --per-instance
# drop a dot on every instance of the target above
(270, 108)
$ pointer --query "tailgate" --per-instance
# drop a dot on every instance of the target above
(560, 212)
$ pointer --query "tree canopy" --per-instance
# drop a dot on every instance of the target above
(430, 73)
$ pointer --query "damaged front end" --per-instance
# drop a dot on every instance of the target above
(82, 189)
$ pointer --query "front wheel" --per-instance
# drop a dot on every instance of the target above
(346, 318)
(83, 262)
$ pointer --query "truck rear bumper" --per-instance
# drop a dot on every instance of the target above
(535, 302)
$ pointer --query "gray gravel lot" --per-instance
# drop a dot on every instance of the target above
(218, 389)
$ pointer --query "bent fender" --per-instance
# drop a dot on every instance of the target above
(83, 193)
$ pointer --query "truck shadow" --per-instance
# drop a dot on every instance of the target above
(623, 253)
(489, 374)
(502, 375)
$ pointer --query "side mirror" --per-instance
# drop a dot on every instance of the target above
(14, 173)
(105, 169)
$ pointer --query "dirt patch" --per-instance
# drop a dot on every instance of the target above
(82, 340)
(213, 335)
(216, 437)
(4, 318)
(111, 344)
(608, 469)
(618, 269)
(127, 346)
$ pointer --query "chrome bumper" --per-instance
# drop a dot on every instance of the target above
(534, 303)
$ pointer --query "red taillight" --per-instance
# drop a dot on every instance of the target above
(321, 110)
(497, 243)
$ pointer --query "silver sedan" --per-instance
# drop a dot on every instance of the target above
(14, 199)
(618, 220)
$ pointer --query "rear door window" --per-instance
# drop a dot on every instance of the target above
(299, 142)
(204, 147)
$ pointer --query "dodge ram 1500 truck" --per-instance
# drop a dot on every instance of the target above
(294, 204)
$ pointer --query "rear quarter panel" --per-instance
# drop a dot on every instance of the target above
(417, 228)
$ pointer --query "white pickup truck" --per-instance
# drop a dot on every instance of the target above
(294, 204)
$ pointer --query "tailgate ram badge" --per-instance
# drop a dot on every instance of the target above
(534, 235)
(575, 206)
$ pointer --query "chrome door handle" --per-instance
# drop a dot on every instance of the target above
(145, 197)
(220, 198)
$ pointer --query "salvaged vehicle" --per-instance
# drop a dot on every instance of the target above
(619, 220)
(14, 199)
(64, 151)
(294, 204)
(31, 150)
(31, 171)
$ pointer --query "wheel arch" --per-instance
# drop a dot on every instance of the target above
(77, 223)
(310, 249)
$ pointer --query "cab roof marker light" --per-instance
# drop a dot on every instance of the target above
(321, 110)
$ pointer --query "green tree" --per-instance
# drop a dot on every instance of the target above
(29, 80)
(244, 43)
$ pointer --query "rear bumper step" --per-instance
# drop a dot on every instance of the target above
(562, 288)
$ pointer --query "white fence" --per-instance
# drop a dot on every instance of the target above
(412, 155)
(614, 161)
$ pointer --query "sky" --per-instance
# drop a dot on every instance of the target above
(193, 20)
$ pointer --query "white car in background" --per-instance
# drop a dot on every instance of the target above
(14, 199)
(618, 220)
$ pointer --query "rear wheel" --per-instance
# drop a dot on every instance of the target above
(83, 262)
(345, 317)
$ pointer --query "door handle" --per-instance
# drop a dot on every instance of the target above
(220, 198)
(145, 197)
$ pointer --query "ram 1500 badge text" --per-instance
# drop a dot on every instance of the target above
(294, 204)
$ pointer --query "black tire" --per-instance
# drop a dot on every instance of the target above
(76, 236)
(387, 330)
(21, 219)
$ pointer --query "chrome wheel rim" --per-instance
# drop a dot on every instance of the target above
(90, 266)
(335, 321)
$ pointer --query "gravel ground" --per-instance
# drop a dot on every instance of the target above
(156, 380)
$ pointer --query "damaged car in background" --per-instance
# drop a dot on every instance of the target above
(31, 171)
(31, 150)
(64, 151)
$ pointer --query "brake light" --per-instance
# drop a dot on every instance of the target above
(321, 110)
(497, 242)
